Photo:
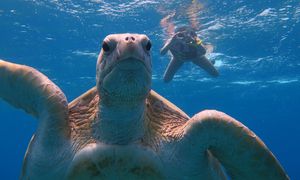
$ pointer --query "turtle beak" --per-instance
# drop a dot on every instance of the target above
(132, 48)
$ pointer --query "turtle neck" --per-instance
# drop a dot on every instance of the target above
(119, 123)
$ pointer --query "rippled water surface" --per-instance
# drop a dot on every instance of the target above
(256, 49)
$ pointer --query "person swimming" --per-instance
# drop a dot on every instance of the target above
(188, 43)
(184, 44)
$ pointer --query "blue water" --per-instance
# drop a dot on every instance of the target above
(256, 49)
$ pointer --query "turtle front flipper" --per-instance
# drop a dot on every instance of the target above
(28, 89)
(205, 64)
(172, 68)
(238, 149)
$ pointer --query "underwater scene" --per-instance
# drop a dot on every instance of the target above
(248, 67)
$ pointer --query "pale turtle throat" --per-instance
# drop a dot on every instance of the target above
(119, 125)
(120, 117)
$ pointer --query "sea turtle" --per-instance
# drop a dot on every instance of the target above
(185, 46)
(121, 129)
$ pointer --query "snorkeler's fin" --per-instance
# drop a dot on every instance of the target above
(205, 64)
(172, 68)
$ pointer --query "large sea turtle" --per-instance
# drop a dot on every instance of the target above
(121, 129)
(185, 46)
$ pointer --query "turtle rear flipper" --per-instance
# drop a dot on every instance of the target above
(26, 88)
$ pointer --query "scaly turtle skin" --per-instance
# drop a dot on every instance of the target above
(185, 46)
(121, 129)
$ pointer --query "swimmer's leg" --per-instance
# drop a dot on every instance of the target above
(205, 64)
(172, 68)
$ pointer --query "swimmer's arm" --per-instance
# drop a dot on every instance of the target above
(166, 47)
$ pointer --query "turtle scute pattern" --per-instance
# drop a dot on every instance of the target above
(163, 120)
(82, 112)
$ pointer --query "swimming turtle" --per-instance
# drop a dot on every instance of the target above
(121, 129)
(185, 46)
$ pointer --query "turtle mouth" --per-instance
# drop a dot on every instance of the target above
(128, 80)
(127, 65)
(130, 68)
(131, 64)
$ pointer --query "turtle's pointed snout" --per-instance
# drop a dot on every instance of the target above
(131, 48)
(130, 42)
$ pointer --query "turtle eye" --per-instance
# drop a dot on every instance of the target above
(105, 46)
(148, 46)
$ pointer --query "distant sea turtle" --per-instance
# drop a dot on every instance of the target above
(185, 46)
(121, 129)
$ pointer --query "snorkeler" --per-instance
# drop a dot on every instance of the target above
(185, 46)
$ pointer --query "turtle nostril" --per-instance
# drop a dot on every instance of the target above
(130, 39)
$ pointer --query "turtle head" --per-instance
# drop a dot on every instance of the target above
(124, 68)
